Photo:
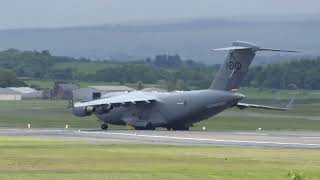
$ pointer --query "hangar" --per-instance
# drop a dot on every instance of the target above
(64, 91)
(9, 95)
(85, 94)
(27, 92)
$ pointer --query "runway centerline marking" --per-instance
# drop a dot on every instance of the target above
(204, 139)
(310, 137)
(259, 134)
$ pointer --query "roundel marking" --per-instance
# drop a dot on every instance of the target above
(231, 65)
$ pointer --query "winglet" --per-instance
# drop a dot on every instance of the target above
(290, 104)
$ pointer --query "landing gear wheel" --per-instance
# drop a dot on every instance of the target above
(104, 126)
(169, 128)
(181, 128)
(148, 127)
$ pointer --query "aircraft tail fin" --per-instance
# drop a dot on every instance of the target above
(236, 65)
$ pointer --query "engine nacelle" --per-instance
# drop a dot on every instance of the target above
(103, 109)
(83, 111)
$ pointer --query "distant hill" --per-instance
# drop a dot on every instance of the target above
(190, 38)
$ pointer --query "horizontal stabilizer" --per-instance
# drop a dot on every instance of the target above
(231, 48)
(277, 50)
(257, 106)
(256, 49)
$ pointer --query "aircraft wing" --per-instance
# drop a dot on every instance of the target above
(121, 100)
(245, 106)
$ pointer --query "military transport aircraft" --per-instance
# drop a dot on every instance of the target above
(181, 109)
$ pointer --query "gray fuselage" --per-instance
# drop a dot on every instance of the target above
(179, 110)
(174, 109)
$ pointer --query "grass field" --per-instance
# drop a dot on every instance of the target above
(302, 117)
(55, 115)
(24, 158)
(28, 158)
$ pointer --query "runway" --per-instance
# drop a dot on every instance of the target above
(279, 139)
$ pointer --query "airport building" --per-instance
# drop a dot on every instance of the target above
(85, 94)
(27, 92)
(7, 94)
(64, 91)
(19, 93)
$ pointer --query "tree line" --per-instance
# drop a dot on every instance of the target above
(304, 74)
(166, 69)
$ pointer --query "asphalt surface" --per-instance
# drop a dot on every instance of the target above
(280, 139)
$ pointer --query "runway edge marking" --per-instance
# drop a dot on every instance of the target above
(204, 139)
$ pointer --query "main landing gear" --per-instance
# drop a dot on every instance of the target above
(148, 127)
(104, 126)
(178, 128)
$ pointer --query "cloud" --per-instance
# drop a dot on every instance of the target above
(54, 13)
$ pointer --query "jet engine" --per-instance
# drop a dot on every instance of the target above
(83, 111)
(103, 109)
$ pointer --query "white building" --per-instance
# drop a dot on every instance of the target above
(27, 92)
(22, 90)
(9, 95)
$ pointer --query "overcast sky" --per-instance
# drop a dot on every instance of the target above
(58, 13)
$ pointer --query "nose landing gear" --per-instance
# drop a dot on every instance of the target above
(104, 126)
